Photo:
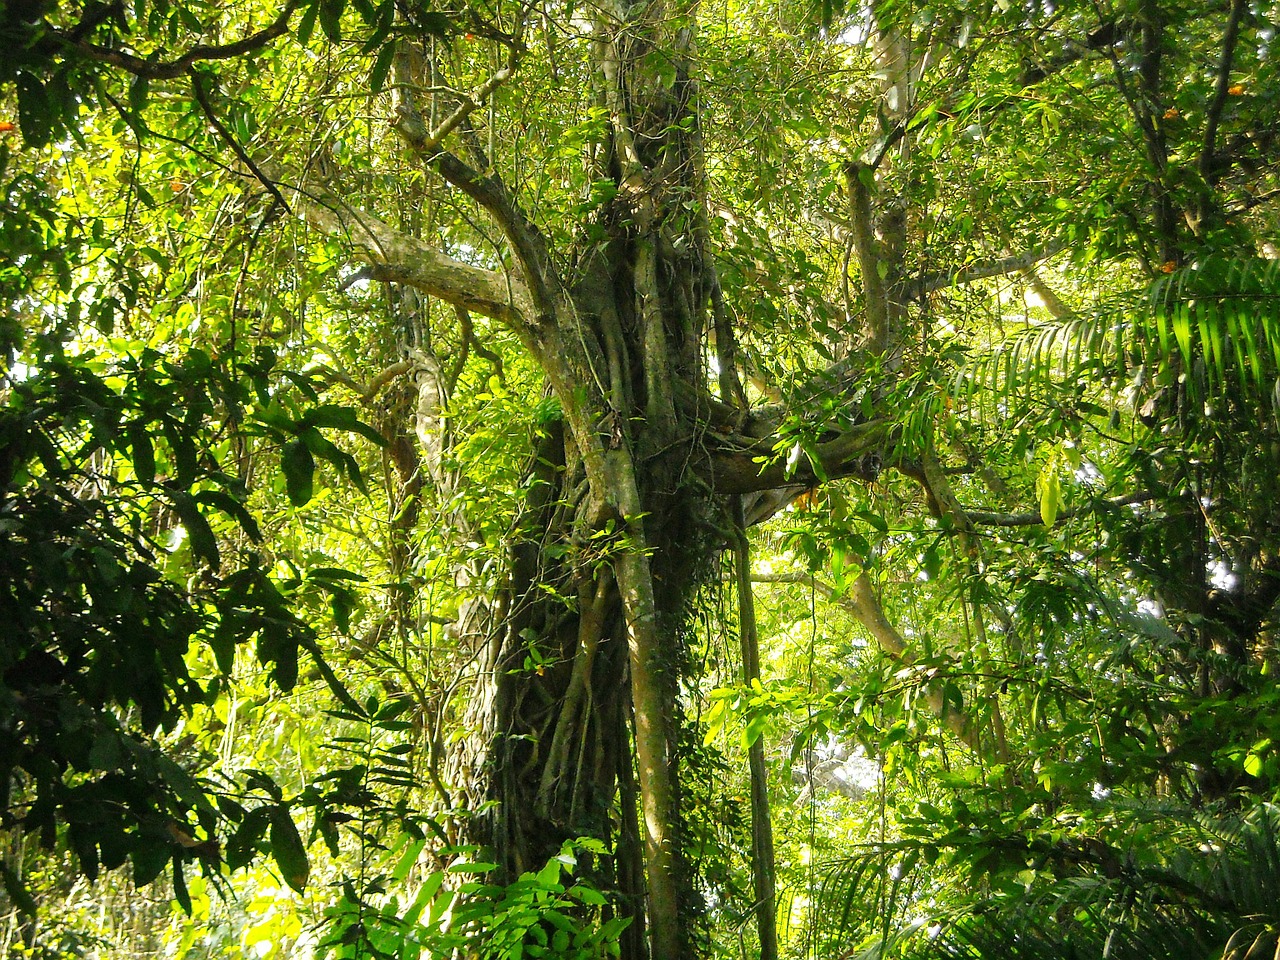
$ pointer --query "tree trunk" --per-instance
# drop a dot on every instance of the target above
(619, 529)
(576, 721)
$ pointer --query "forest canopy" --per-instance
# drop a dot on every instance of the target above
(639, 479)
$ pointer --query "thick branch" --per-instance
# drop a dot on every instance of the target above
(874, 295)
(527, 242)
(429, 143)
(743, 464)
(1017, 263)
(396, 258)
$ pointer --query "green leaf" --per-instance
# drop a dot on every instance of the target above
(285, 658)
(338, 417)
(288, 850)
(381, 67)
(468, 867)
(307, 25)
(756, 725)
(1050, 490)
(36, 113)
(408, 859)
(299, 472)
(336, 687)
(243, 843)
(331, 19)
(144, 457)
(148, 861)
(204, 545)
(931, 562)
(232, 507)
(180, 892)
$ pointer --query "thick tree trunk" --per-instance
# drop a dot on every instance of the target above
(577, 719)
(581, 680)
(595, 637)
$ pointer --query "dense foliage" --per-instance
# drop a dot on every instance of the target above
(639, 479)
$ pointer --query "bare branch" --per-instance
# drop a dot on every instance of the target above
(1221, 87)
(206, 107)
(367, 392)
(1256, 200)
(1052, 302)
(428, 142)
(1016, 263)
(988, 519)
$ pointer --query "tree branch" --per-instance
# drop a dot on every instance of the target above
(1221, 87)
(428, 142)
(172, 69)
(206, 107)
(527, 242)
(1256, 200)
(396, 258)
(744, 464)
(988, 519)
(1016, 263)
(874, 295)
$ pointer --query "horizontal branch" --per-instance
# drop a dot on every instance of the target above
(744, 464)
(367, 392)
(395, 258)
(1032, 519)
(942, 279)
(1254, 200)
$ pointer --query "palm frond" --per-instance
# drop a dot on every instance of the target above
(1210, 888)
(1212, 327)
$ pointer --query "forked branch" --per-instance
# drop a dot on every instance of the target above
(488, 190)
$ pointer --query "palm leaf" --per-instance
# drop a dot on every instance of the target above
(1218, 319)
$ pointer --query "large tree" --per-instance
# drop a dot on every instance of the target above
(746, 250)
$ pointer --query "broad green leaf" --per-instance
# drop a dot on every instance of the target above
(204, 545)
(288, 850)
(299, 472)
(1049, 487)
